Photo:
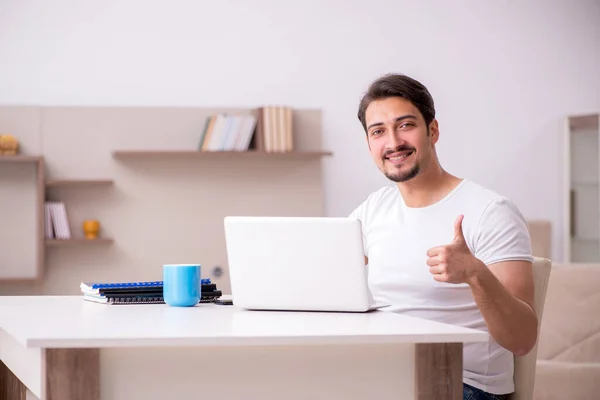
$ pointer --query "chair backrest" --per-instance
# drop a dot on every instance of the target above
(524, 374)
(540, 232)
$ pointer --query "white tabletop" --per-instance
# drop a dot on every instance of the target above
(70, 322)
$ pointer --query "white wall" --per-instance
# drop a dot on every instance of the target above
(503, 73)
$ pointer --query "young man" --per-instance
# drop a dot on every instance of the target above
(440, 247)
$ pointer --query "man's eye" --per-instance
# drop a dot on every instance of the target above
(376, 132)
(406, 125)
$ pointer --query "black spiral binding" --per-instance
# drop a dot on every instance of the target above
(149, 300)
(136, 300)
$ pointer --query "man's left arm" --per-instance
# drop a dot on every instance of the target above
(504, 293)
(499, 274)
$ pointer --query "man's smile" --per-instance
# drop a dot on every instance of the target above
(398, 157)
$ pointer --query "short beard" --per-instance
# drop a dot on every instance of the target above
(404, 176)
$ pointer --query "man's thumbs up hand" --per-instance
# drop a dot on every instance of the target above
(453, 262)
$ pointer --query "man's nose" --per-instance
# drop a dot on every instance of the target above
(395, 140)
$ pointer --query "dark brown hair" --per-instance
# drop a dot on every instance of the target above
(398, 85)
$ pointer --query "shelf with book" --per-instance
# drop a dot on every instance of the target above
(58, 230)
(264, 131)
(57, 227)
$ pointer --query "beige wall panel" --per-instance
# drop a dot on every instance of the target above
(24, 123)
(161, 209)
(18, 220)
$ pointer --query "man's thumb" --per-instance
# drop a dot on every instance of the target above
(458, 232)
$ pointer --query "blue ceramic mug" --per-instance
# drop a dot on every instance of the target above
(181, 284)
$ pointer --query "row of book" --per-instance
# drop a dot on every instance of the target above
(223, 132)
(56, 222)
(269, 129)
(150, 292)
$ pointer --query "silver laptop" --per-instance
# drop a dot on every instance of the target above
(297, 263)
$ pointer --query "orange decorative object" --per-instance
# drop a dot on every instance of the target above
(9, 145)
(91, 227)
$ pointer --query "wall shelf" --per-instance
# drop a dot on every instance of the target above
(124, 154)
(77, 242)
(20, 159)
(72, 183)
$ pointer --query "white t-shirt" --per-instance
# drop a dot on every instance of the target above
(396, 240)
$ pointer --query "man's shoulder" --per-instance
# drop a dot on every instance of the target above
(500, 230)
(485, 208)
(484, 199)
(480, 193)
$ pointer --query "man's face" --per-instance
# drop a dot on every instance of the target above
(398, 138)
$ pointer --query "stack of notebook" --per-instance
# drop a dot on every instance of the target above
(139, 292)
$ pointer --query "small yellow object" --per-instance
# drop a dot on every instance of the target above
(9, 145)
(91, 227)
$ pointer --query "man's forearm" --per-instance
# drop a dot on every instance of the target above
(510, 321)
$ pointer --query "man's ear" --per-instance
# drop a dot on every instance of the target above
(434, 131)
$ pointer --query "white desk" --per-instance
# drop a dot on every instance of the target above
(62, 347)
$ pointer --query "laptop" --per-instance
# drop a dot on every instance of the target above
(297, 264)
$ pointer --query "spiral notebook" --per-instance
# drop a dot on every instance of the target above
(150, 292)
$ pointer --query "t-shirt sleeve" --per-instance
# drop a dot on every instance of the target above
(502, 234)
(359, 214)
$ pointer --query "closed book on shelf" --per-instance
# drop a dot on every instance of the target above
(59, 219)
(274, 132)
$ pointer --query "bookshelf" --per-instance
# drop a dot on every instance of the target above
(581, 228)
(41, 189)
(144, 174)
(57, 185)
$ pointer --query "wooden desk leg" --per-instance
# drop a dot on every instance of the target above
(438, 371)
(11, 387)
(72, 374)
